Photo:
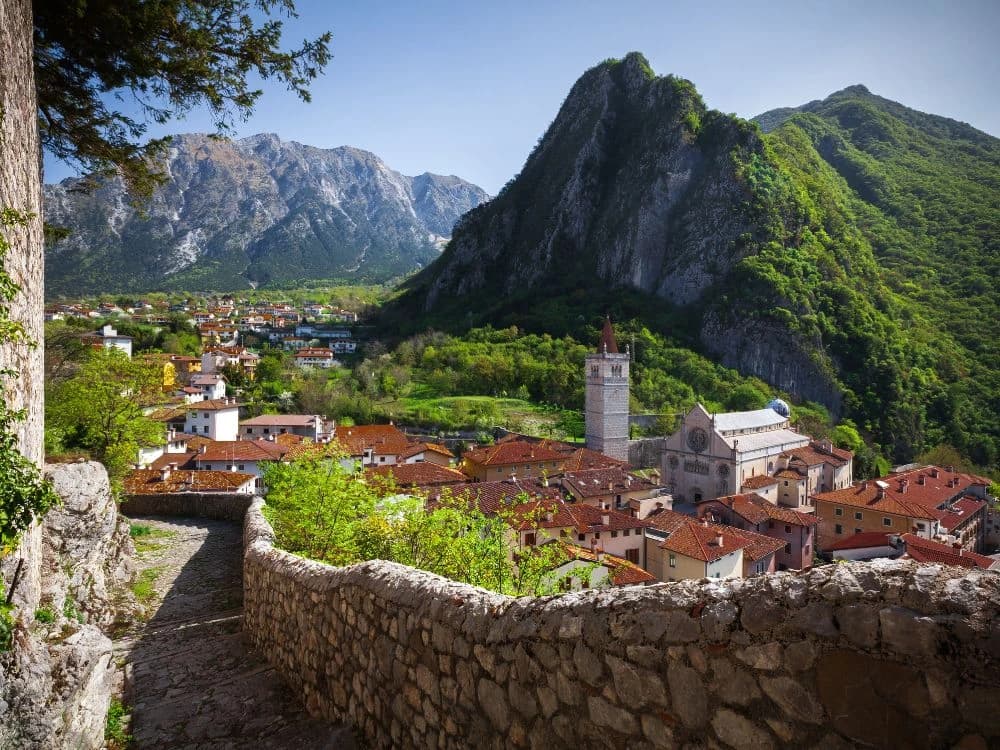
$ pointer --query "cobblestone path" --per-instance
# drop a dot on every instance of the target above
(190, 679)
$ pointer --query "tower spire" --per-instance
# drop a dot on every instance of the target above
(608, 343)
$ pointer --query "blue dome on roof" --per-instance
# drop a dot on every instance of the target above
(779, 406)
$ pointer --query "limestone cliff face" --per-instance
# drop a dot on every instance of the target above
(632, 184)
(56, 683)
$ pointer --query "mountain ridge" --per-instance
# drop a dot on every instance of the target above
(257, 209)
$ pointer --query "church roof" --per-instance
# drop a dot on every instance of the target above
(608, 343)
(748, 420)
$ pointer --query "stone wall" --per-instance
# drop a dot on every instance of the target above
(223, 506)
(646, 453)
(888, 654)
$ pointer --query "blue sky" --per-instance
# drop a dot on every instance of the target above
(467, 88)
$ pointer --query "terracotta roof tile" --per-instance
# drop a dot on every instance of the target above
(423, 474)
(621, 571)
(756, 509)
(149, 482)
(927, 550)
(699, 540)
(860, 540)
(511, 453)
(598, 482)
(756, 482)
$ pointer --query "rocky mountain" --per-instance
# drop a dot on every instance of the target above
(833, 256)
(253, 210)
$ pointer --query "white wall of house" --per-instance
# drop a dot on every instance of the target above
(217, 424)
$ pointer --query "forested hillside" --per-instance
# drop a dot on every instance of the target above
(845, 256)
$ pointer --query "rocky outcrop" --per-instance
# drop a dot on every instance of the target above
(256, 209)
(56, 683)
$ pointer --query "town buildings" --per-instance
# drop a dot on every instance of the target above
(606, 395)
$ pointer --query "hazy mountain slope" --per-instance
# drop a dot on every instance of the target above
(771, 252)
(258, 209)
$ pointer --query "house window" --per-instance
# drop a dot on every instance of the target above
(887, 522)
(857, 530)
(581, 537)
(249, 430)
(205, 428)
(770, 524)
(632, 555)
(614, 534)
(838, 529)
(786, 483)
(597, 535)
(242, 467)
(858, 515)
(267, 430)
(838, 511)
(529, 540)
(381, 459)
(205, 415)
(626, 532)
(673, 560)
(788, 549)
(788, 529)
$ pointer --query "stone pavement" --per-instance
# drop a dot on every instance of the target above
(190, 679)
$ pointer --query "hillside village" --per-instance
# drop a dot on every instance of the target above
(732, 494)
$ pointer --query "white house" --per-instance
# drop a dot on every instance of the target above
(218, 419)
(111, 339)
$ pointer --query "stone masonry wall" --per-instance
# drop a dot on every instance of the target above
(223, 506)
(888, 654)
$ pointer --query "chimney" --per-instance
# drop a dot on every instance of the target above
(957, 546)
(606, 519)
(902, 485)
(921, 479)
(934, 472)
(718, 540)
(204, 448)
(864, 485)
(165, 473)
(881, 492)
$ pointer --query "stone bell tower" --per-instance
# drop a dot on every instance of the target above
(607, 395)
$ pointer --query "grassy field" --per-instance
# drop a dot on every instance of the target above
(422, 407)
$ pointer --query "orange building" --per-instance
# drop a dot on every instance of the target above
(519, 458)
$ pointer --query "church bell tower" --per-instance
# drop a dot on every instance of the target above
(607, 395)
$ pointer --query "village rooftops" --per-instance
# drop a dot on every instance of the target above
(384, 439)
(166, 481)
(282, 420)
(423, 474)
(213, 404)
(598, 482)
(816, 453)
(621, 571)
(417, 448)
(241, 450)
(708, 542)
(929, 551)
(491, 497)
(757, 482)
(558, 514)
(512, 453)
(861, 540)
(756, 509)
(919, 490)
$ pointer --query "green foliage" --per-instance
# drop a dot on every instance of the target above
(100, 408)
(6, 624)
(70, 612)
(169, 57)
(115, 732)
(320, 511)
(143, 588)
(45, 615)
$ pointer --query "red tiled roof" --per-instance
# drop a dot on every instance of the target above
(927, 550)
(698, 540)
(491, 497)
(862, 540)
(241, 450)
(621, 571)
(756, 509)
(934, 492)
(511, 453)
(789, 473)
(148, 482)
(182, 460)
(558, 514)
(582, 459)
(275, 420)
(756, 482)
(418, 448)
(959, 512)
(598, 482)
(384, 439)
(213, 404)
(422, 474)
(815, 454)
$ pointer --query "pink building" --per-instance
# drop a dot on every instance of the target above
(753, 513)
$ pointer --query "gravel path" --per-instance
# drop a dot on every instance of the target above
(190, 679)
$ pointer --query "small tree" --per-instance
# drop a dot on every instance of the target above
(100, 408)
